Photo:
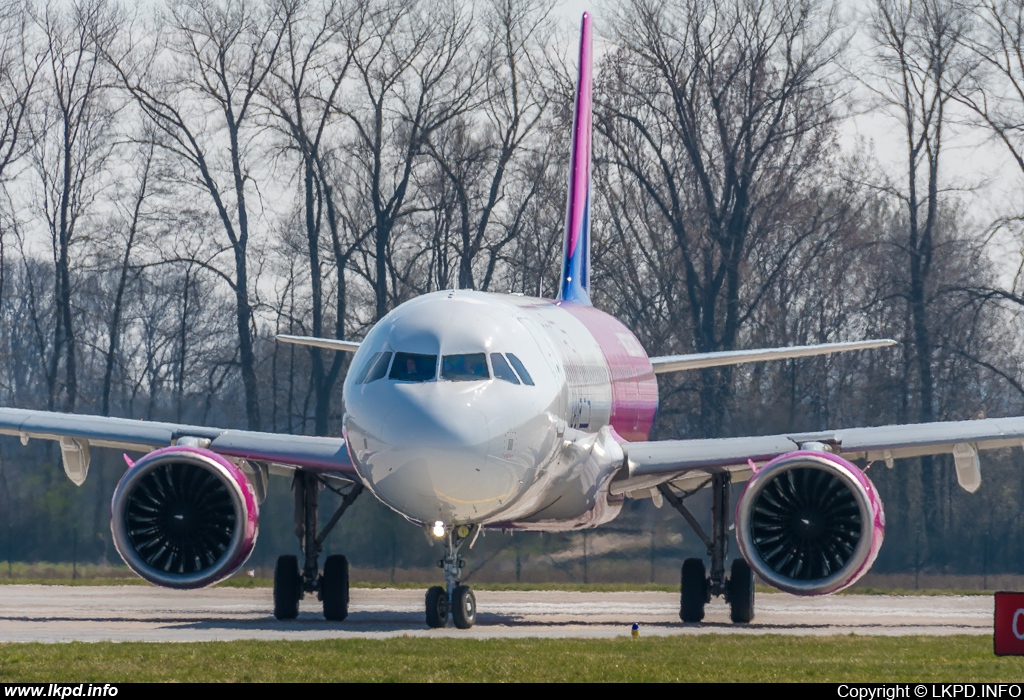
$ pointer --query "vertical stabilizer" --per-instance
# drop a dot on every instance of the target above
(575, 282)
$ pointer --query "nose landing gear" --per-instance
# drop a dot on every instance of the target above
(453, 598)
(463, 607)
(437, 607)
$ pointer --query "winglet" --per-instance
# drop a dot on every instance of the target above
(575, 282)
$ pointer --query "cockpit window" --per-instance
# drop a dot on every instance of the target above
(375, 369)
(464, 368)
(410, 367)
(361, 377)
(501, 368)
(523, 374)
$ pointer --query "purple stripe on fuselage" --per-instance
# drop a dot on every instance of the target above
(634, 386)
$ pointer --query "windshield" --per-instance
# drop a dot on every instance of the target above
(410, 367)
(464, 368)
(523, 374)
(501, 368)
(375, 368)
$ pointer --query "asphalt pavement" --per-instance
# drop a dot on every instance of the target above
(145, 613)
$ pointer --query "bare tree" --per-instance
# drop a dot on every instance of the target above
(491, 187)
(72, 141)
(923, 62)
(198, 84)
(132, 214)
(996, 96)
(721, 113)
(304, 93)
(20, 64)
(919, 49)
(415, 73)
(996, 92)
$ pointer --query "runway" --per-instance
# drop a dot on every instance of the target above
(144, 613)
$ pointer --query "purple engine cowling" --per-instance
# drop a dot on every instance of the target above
(184, 517)
(810, 523)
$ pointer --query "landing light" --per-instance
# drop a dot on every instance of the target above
(438, 529)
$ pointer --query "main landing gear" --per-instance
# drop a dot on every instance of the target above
(453, 598)
(290, 582)
(696, 585)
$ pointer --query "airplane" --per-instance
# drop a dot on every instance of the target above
(467, 411)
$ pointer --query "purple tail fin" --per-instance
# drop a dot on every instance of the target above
(575, 282)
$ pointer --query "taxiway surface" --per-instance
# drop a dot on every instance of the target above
(143, 613)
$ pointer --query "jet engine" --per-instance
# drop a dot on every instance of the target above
(810, 523)
(184, 517)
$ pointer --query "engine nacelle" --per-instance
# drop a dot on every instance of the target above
(184, 517)
(810, 523)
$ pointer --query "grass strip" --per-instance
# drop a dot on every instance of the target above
(649, 658)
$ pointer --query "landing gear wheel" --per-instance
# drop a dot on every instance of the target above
(287, 587)
(463, 607)
(693, 591)
(437, 607)
(741, 592)
(334, 588)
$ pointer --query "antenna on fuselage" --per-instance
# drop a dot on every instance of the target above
(575, 282)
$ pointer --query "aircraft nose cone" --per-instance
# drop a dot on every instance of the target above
(430, 457)
(421, 423)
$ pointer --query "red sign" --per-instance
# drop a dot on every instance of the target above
(1009, 624)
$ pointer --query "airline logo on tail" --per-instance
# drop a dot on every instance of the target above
(575, 284)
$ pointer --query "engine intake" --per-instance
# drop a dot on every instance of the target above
(810, 523)
(184, 517)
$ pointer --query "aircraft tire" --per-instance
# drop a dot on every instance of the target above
(463, 607)
(437, 607)
(287, 587)
(741, 592)
(693, 591)
(334, 588)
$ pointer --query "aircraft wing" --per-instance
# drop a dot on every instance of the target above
(76, 433)
(322, 343)
(689, 463)
(679, 363)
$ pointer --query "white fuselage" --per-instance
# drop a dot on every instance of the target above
(529, 440)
